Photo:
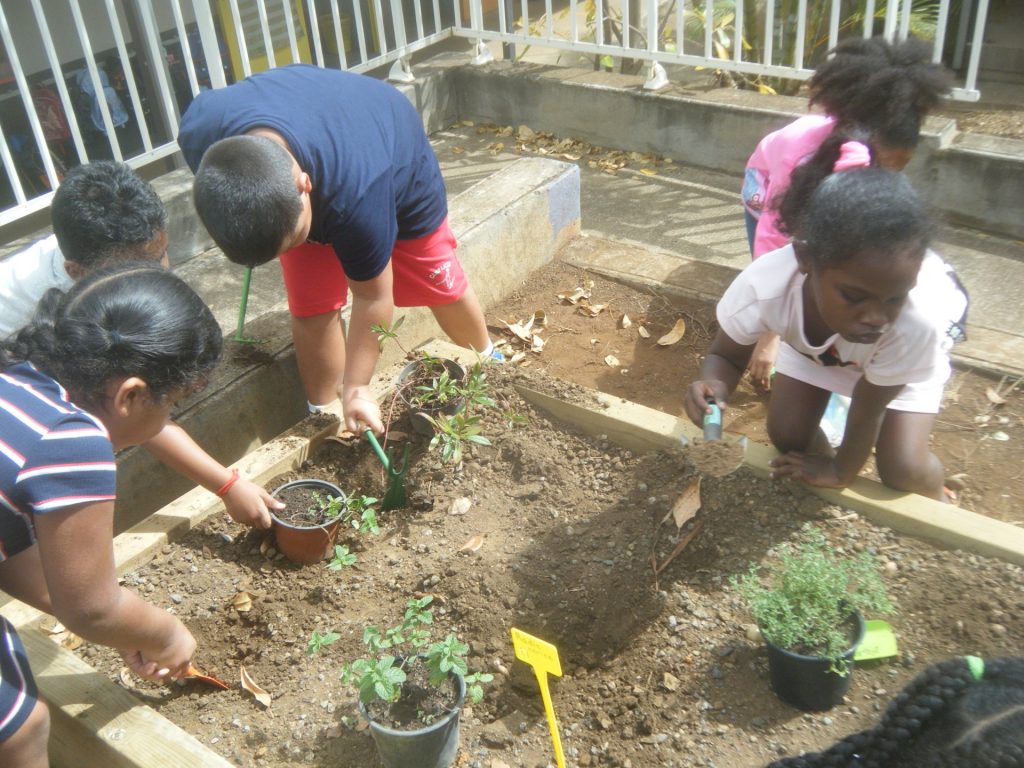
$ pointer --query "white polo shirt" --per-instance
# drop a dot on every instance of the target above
(25, 277)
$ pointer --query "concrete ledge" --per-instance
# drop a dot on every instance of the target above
(508, 225)
(986, 349)
(970, 179)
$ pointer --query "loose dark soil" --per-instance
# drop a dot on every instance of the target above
(571, 538)
(304, 507)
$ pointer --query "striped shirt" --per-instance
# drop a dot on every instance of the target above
(53, 455)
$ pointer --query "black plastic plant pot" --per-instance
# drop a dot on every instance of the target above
(432, 747)
(307, 544)
(417, 411)
(806, 682)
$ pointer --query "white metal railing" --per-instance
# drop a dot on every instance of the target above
(82, 80)
(88, 79)
(755, 38)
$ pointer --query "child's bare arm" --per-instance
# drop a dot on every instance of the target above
(723, 366)
(867, 410)
(77, 556)
(246, 502)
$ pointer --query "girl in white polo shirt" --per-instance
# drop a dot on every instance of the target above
(863, 309)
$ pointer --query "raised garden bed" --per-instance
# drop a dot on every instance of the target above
(560, 539)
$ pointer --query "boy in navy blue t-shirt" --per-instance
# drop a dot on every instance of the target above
(332, 172)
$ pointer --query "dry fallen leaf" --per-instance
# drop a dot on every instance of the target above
(688, 503)
(574, 296)
(472, 544)
(460, 506)
(518, 357)
(624, 321)
(591, 310)
(520, 330)
(69, 640)
(124, 677)
(648, 172)
(537, 345)
(644, 333)
(258, 693)
(677, 332)
(994, 397)
(612, 360)
(457, 150)
(242, 602)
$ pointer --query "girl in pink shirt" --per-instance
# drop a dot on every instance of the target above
(872, 92)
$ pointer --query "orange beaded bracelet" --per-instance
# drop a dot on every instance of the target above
(227, 486)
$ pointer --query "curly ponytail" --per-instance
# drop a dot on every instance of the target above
(944, 718)
(128, 320)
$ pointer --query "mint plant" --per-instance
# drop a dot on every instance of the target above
(318, 641)
(356, 511)
(382, 674)
(342, 558)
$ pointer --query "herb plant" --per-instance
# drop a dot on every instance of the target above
(356, 511)
(318, 641)
(382, 673)
(805, 602)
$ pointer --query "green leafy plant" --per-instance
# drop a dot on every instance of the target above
(319, 640)
(388, 332)
(342, 558)
(452, 433)
(355, 510)
(804, 600)
(382, 673)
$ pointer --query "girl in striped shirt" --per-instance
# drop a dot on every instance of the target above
(97, 370)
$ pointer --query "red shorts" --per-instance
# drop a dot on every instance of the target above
(426, 273)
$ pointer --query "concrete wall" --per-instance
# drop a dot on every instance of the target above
(973, 180)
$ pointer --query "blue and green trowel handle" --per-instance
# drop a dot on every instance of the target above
(712, 420)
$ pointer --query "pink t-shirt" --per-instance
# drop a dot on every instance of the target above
(769, 169)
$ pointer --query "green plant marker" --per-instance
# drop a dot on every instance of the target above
(879, 641)
(543, 657)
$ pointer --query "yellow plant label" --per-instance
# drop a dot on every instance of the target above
(540, 655)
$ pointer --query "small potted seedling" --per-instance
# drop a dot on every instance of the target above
(432, 388)
(411, 690)
(808, 604)
(315, 511)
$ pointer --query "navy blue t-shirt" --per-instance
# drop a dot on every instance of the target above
(375, 176)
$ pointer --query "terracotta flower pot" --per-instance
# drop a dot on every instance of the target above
(307, 542)
(418, 411)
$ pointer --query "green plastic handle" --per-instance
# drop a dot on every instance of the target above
(377, 449)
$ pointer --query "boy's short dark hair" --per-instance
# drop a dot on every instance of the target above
(246, 196)
(103, 212)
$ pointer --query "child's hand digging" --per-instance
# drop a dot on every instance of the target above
(695, 403)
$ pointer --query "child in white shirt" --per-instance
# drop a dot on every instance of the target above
(863, 309)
